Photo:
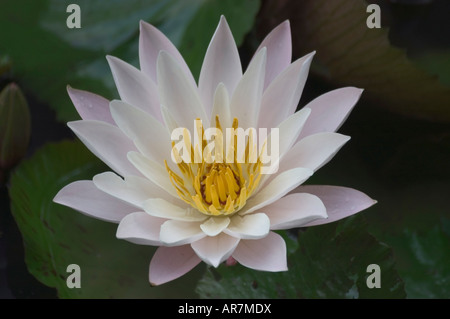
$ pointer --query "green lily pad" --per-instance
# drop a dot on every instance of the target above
(47, 55)
(331, 262)
(55, 236)
(420, 236)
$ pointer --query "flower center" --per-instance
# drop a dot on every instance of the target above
(218, 188)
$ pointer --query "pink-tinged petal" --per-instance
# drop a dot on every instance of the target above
(178, 94)
(90, 106)
(221, 65)
(281, 98)
(313, 151)
(215, 250)
(151, 42)
(135, 87)
(340, 202)
(282, 184)
(246, 99)
(267, 254)
(133, 189)
(138, 126)
(140, 228)
(86, 198)
(108, 143)
(252, 226)
(231, 261)
(177, 232)
(289, 130)
(169, 263)
(330, 110)
(295, 210)
(114, 185)
(279, 51)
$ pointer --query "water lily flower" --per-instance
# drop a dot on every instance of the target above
(210, 211)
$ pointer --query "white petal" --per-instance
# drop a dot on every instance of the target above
(114, 185)
(134, 190)
(169, 263)
(313, 151)
(178, 94)
(221, 107)
(290, 130)
(252, 226)
(153, 171)
(88, 199)
(108, 143)
(295, 210)
(160, 208)
(267, 254)
(246, 99)
(135, 87)
(281, 98)
(151, 42)
(176, 232)
(90, 106)
(340, 202)
(149, 188)
(330, 110)
(221, 64)
(282, 184)
(279, 51)
(143, 129)
(168, 118)
(215, 250)
(215, 225)
(140, 228)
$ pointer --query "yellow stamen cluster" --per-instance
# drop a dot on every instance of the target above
(218, 188)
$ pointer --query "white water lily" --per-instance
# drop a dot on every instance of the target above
(210, 212)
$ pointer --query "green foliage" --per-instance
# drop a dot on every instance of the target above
(331, 262)
(47, 55)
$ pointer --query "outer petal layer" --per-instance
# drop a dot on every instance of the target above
(330, 110)
(88, 199)
(90, 106)
(340, 202)
(279, 51)
(108, 143)
(169, 263)
(214, 250)
(267, 254)
(140, 228)
(295, 210)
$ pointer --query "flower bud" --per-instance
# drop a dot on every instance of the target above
(15, 126)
